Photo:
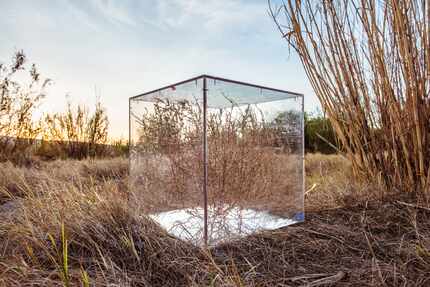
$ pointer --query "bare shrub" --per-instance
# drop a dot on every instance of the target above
(368, 63)
(251, 160)
(246, 157)
(75, 133)
(21, 91)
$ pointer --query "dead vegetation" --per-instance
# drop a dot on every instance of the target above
(72, 223)
(76, 133)
(368, 63)
(251, 163)
(68, 223)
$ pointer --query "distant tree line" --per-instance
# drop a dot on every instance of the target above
(319, 135)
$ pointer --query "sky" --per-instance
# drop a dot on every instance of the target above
(112, 50)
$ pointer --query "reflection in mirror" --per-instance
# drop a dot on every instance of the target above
(254, 159)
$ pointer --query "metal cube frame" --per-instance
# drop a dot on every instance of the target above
(213, 159)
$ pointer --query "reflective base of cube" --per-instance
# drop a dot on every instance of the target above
(225, 223)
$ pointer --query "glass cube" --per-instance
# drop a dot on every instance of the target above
(212, 160)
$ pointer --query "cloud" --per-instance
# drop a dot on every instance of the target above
(214, 15)
(81, 15)
(115, 11)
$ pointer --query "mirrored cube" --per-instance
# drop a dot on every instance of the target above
(212, 160)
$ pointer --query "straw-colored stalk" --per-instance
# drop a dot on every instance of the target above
(368, 63)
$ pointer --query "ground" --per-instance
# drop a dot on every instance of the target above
(67, 223)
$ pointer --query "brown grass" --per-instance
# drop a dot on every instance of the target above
(346, 240)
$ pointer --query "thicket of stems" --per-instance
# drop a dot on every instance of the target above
(368, 63)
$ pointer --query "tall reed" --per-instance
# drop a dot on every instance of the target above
(368, 63)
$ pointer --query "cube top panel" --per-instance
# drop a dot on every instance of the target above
(221, 93)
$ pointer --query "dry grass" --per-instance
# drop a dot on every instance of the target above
(67, 223)
(330, 183)
(18, 182)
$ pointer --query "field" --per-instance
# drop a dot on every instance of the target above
(68, 223)
(77, 202)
